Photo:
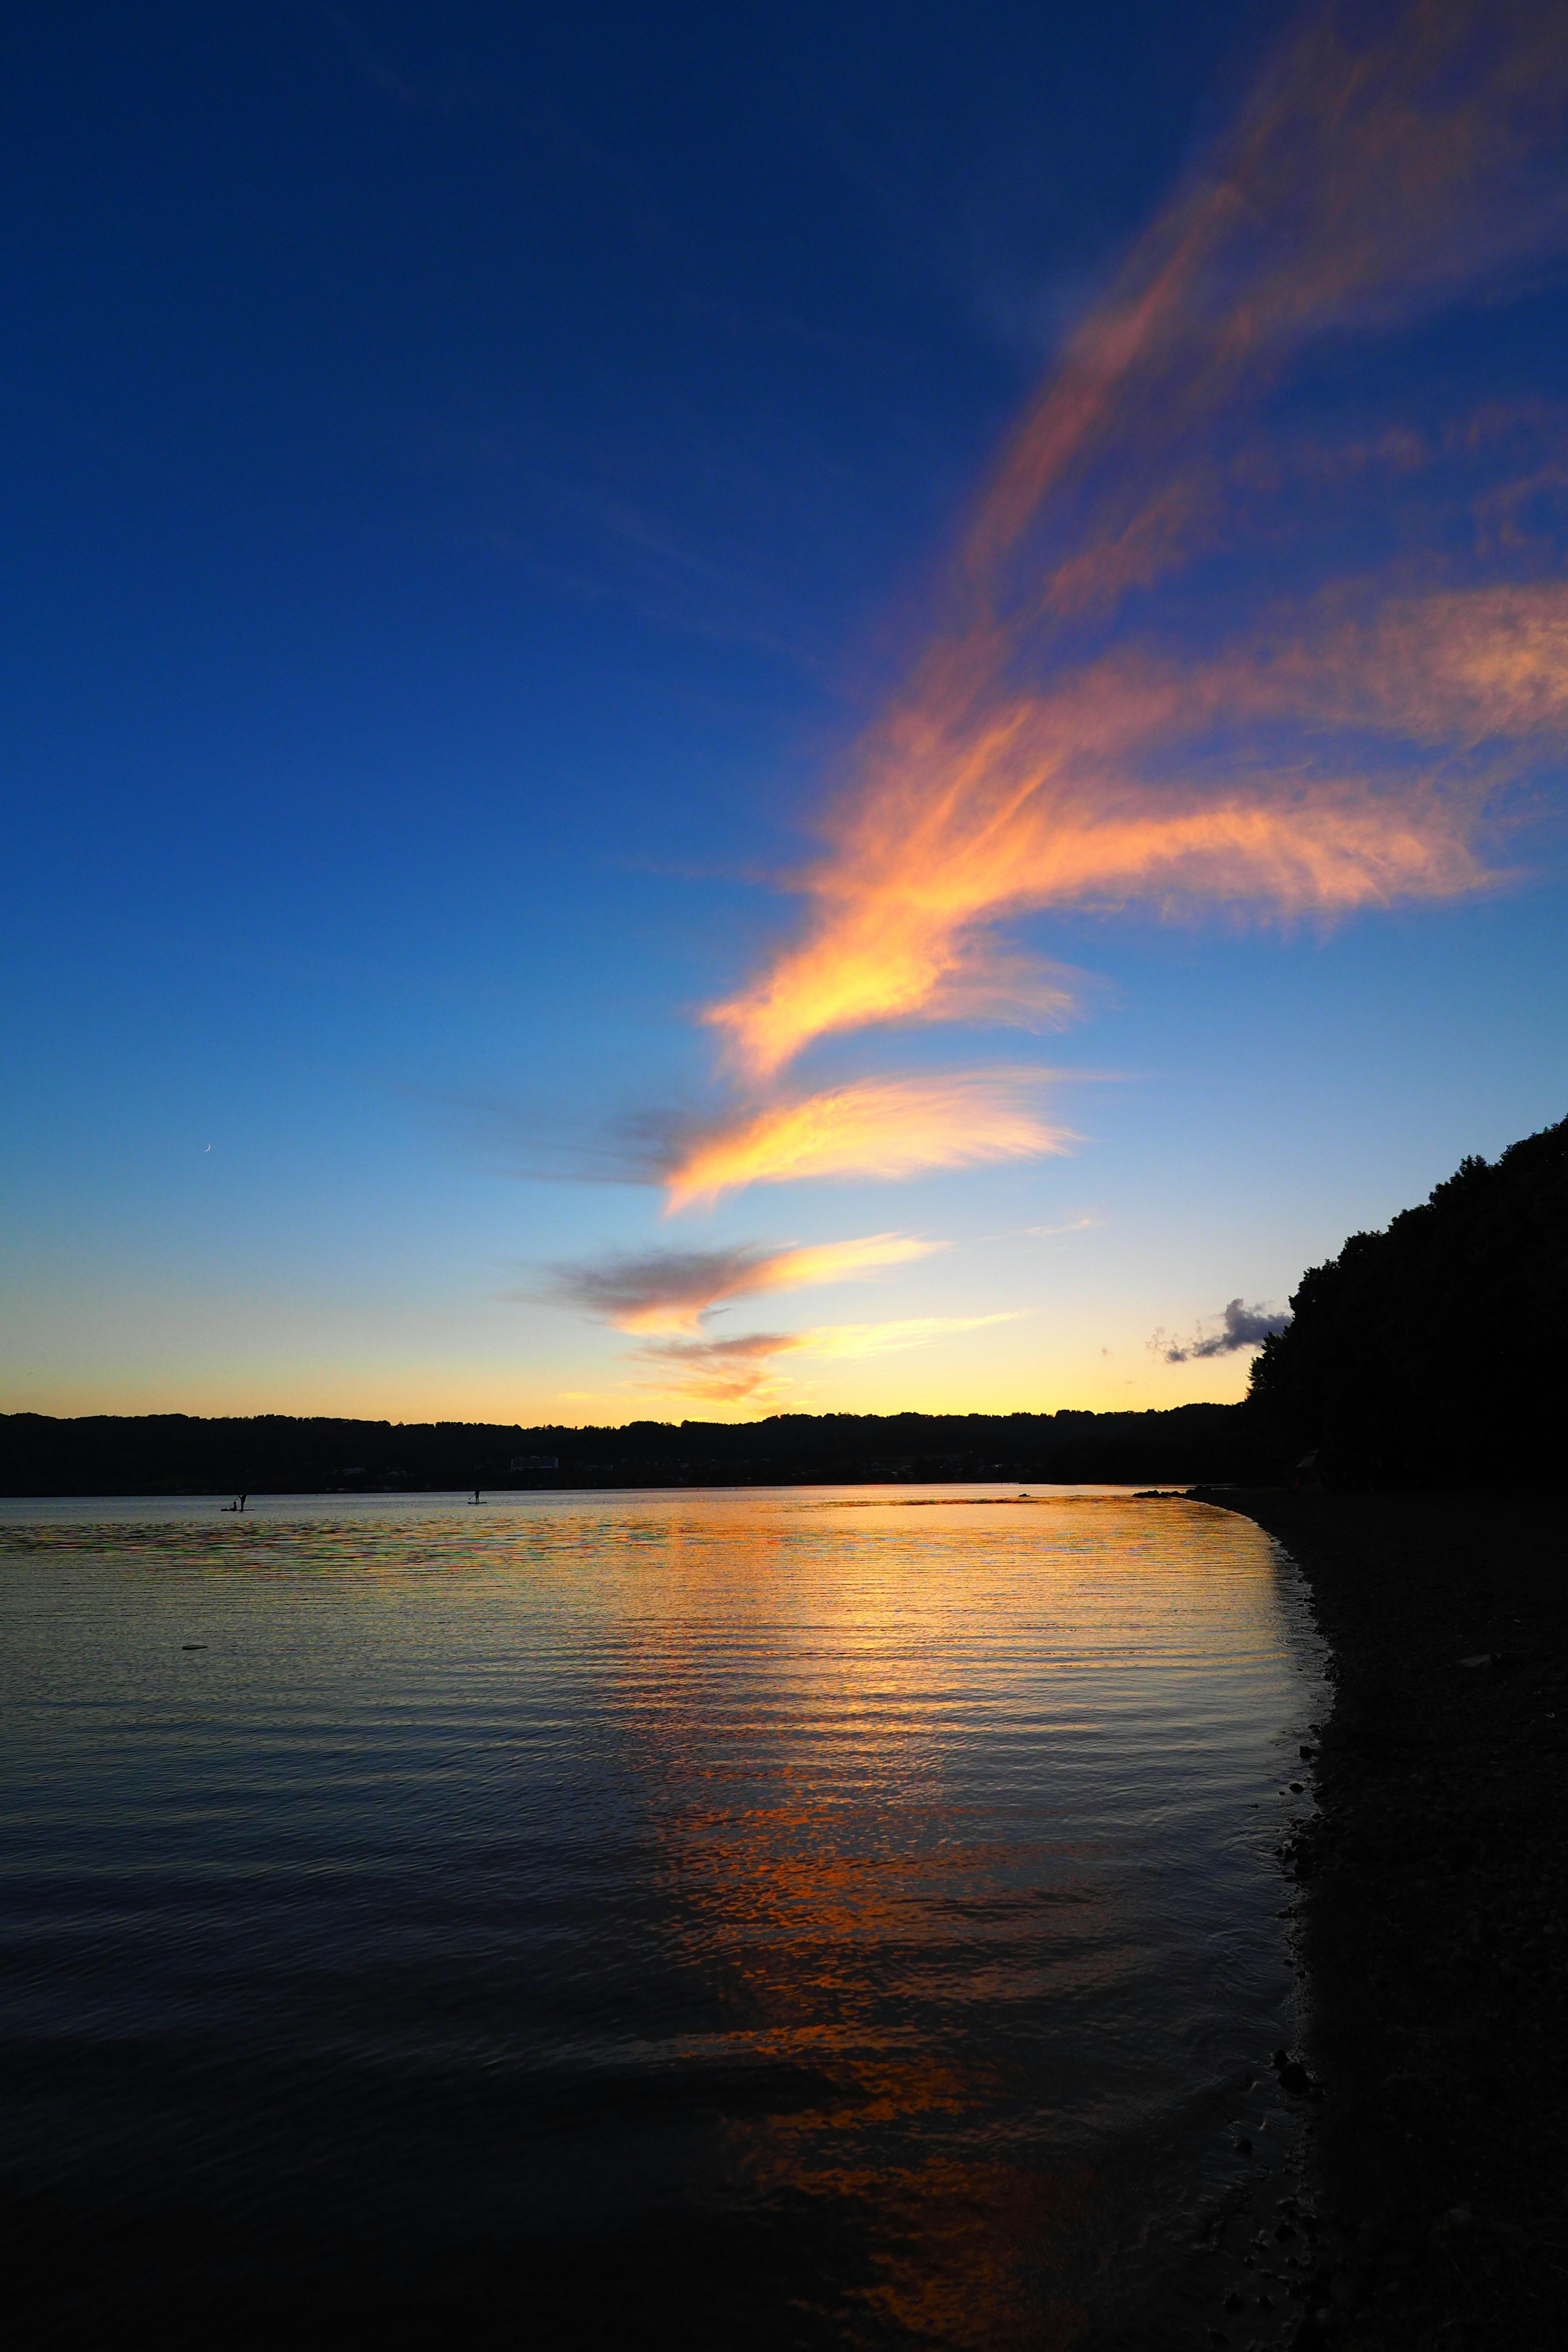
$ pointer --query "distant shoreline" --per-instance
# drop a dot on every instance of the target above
(985, 1490)
(187, 1453)
(1434, 1911)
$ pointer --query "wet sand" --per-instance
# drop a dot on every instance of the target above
(1433, 1918)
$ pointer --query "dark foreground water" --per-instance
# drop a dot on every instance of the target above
(807, 1917)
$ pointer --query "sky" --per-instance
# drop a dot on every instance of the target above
(710, 711)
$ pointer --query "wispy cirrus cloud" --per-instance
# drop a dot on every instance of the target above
(873, 1126)
(746, 1369)
(889, 1338)
(1084, 728)
(674, 1290)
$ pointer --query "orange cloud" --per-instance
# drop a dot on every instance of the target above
(895, 925)
(794, 1269)
(877, 1126)
(1319, 760)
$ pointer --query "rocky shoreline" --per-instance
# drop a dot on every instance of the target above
(1433, 1921)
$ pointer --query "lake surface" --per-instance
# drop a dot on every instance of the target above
(807, 1917)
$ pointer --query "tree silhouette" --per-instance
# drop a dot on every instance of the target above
(1435, 1350)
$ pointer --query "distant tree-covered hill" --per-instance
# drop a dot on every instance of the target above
(180, 1453)
(1434, 1351)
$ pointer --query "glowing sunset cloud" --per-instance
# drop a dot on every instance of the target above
(877, 1126)
(673, 1290)
(742, 1371)
(1316, 727)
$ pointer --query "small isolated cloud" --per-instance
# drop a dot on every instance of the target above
(673, 1290)
(744, 1371)
(1240, 1327)
(876, 1126)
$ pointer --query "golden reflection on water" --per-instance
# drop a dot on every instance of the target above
(969, 2252)
(812, 1940)
(858, 1919)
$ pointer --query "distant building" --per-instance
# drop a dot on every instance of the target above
(534, 1462)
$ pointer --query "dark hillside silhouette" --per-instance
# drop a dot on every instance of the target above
(1434, 1352)
(180, 1453)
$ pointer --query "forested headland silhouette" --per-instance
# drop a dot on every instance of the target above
(1431, 1353)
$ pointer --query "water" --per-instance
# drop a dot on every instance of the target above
(800, 1917)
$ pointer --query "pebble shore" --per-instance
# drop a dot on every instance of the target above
(1432, 1866)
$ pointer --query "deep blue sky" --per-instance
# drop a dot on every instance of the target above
(472, 472)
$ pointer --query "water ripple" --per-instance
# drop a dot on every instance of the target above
(820, 1918)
